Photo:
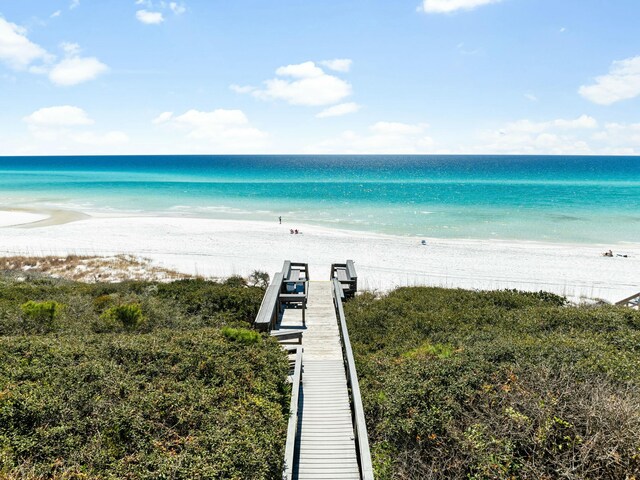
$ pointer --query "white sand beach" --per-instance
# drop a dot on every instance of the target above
(10, 218)
(225, 247)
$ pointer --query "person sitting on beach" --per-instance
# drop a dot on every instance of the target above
(296, 231)
(291, 231)
(608, 254)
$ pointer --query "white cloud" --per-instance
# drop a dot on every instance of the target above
(75, 70)
(149, 18)
(71, 49)
(620, 135)
(531, 97)
(162, 118)
(338, 64)
(382, 137)
(300, 70)
(16, 50)
(177, 8)
(55, 14)
(223, 130)
(74, 4)
(339, 110)
(242, 89)
(528, 126)
(308, 85)
(621, 83)
(553, 137)
(448, 6)
(58, 116)
(558, 137)
(63, 129)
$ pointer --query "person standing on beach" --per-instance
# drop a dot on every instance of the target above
(280, 220)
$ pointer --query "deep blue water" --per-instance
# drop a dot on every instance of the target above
(558, 199)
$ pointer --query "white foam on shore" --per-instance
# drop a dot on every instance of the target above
(225, 247)
(9, 218)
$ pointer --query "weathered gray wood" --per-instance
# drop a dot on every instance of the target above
(341, 274)
(296, 299)
(325, 439)
(286, 268)
(346, 275)
(281, 335)
(360, 426)
(287, 473)
(269, 308)
(351, 271)
(633, 301)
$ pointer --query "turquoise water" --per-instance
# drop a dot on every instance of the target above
(556, 199)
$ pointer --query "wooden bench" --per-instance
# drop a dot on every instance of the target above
(288, 287)
(295, 299)
(345, 273)
(294, 272)
(295, 284)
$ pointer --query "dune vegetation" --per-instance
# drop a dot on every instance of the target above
(497, 385)
(138, 380)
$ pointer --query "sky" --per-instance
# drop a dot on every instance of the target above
(103, 77)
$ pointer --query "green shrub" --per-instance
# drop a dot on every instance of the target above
(174, 405)
(241, 335)
(235, 281)
(206, 300)
(181, 401)
(40, 315)
(103, 302)
(497, 385)
(129, 316)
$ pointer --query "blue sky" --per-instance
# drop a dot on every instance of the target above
(356, 76)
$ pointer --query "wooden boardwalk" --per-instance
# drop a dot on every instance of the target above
(325, 444)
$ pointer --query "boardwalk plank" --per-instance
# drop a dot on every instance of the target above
(325, 445)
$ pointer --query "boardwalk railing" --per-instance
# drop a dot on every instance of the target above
(346, 275)
(292, 429)
(270, 308)
(633, 301)
(283, 289)
(357, 411)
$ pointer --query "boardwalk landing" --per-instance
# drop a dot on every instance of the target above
(326, 447)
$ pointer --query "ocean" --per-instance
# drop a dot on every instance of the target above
(552, 199)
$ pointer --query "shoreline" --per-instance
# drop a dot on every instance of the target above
(34, 218)
(220, 248)
(54, 217)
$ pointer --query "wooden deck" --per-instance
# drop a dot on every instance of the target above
(325, 445)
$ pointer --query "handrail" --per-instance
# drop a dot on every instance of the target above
(292, 428)
(269, 308)
(629, 301)
(359, 424)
